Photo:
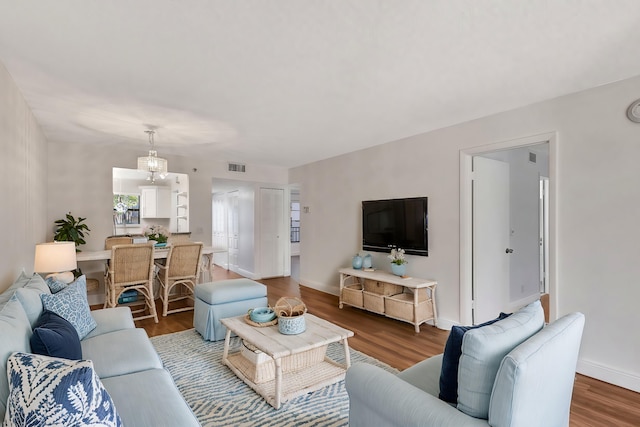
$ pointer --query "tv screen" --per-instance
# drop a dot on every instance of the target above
(395, 223)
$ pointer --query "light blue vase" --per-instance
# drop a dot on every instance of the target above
(399, 269)
(367, 261)
(357, 262)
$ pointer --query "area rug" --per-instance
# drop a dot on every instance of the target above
(219, 398)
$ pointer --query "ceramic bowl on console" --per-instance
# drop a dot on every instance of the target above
(262, 314)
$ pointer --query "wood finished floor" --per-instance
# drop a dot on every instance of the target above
(595, 403)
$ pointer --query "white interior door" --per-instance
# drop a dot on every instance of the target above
(232, 229)
(544, 235)
(490, 238)
(219, 238)
(272, 232)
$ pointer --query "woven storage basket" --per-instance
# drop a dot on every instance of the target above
(373, 302)
(401, 307)
(290, 311)
(260, 368)
(352, 295)
(382, 288)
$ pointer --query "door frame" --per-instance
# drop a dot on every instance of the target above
(466, 219)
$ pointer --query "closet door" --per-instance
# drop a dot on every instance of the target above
(272, 232)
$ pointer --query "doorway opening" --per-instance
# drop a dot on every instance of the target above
(507, 227)
(295, 231)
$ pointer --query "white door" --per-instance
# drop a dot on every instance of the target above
(232, 229)
(272, 232)
(219, 238)
(490, 238)
(544, 235)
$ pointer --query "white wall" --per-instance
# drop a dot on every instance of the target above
(597, 212)
(23, 177)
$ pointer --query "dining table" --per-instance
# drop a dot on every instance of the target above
(159, 253)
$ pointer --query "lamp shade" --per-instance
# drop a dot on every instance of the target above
(55, 257)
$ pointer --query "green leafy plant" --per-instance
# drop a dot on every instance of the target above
(71, 229)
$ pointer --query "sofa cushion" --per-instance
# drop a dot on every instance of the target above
(31, 303)
(111, 319)
(71, 303)
(451, 359)
(54, 336)
(121, 352)
(47, 391)
(425, 375)
(37, 282)
(154, 388)
(482, 351)
(14, 332)
(22, 281)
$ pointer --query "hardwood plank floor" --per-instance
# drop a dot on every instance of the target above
(595, 403)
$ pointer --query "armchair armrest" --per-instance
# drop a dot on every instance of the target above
(380, 398)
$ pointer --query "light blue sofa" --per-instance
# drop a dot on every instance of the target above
(532, 387)
(123, 357)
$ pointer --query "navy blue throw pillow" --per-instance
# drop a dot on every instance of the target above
(451, 359)
(56, 337)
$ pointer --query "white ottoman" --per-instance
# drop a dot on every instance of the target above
(225, 298)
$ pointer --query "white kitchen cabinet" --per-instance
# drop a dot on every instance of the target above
(155, 202)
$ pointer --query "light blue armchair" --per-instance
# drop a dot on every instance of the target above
(533, 387)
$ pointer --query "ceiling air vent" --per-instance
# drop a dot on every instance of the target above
(236, 167)
(532, 157)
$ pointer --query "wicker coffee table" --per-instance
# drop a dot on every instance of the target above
(280, 367)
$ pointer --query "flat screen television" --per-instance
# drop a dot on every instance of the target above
(395, 223)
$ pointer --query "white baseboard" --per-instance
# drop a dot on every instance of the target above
(609, 375)
(446, 324)
(246, 273)
(333, 290)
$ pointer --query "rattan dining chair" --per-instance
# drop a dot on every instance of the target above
(111, 241)
(132, 267)
(181, 269)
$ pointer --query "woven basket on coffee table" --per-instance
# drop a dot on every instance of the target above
(289, 307)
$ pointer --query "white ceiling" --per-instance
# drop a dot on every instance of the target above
(288, 82)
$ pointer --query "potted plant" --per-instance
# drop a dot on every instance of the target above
(398, 261)
(70, 229)
(157, 233)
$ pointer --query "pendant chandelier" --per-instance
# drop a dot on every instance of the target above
(154, 165)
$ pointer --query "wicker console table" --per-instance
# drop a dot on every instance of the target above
(298, 363)
(407, 299)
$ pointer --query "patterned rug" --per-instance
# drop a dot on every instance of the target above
(219, 398)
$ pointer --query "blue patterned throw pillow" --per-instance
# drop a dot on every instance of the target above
(54, 285)
(71, 304)
(45, 391)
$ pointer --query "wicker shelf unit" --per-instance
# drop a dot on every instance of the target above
(407, 299)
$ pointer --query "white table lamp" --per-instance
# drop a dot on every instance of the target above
(58, 258)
